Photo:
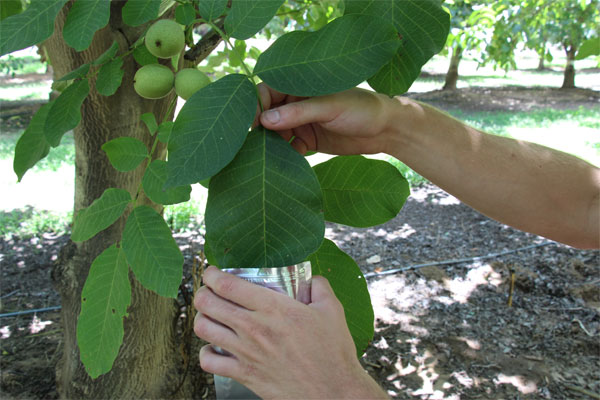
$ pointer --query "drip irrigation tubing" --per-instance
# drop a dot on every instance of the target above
(367, 275)
(455, 261)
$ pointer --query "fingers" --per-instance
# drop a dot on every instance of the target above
(293, 115)
(236, 290)
(215, 363)
(214, 332)
(323, 296)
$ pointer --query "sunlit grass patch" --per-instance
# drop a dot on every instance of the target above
(58, 157)
(30, 222)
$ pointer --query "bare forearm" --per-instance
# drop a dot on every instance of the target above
(530, 187)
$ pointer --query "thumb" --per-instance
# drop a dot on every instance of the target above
(321, 290)
(293, 115)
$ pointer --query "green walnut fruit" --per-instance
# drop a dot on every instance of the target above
(188, 81)
(165, 39)
(153, 81)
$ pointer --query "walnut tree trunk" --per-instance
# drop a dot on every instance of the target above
(452, 74)
(569, 76)
(150, 363)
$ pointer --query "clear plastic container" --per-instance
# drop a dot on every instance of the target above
(293, 281)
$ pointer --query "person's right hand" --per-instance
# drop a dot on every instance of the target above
(351, 122)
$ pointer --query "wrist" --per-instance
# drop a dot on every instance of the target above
(405, 118)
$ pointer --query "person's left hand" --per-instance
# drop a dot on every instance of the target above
(281, 348)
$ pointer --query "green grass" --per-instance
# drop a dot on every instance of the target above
(30, 222)
(184, 216)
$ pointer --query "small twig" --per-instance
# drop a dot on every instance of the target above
(584, 391)
(511, 289)
(9, 294)
(203, 48)
(533, 358)
(582, 327)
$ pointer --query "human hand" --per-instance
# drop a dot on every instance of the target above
(351, 122)
(281, 348)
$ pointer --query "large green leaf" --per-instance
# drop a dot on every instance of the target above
(30, 27)
(265, 208)
(84, 19)
(210, 129)
(104, 301)
(65, 112)
(101, 214)
(137, 12)
(590, 47)
(77, 73)
(32, 145)
(211, 9)
(9, 8)
(423, 26)
(152, 252)
(125, 153)
(247, 17)
(185, 14)
(154, 180)
(344, 53)
(350, 287)
(110, 77)
(361, 192)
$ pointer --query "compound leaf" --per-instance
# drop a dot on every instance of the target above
(125, 153)
(104, 301)
(83, 20)
(101, 214)
(423, 26)
(247, 17)
(77, 73)
(210, 129)
(154, 180)
(110, 76)
(65, 112)
(32, 26)
(350, 287)
(337, 57)
(185, 14)
(137, 12)
(361, 192)
(108, 54)
(265, 208)
(32, 145)
(152, 252)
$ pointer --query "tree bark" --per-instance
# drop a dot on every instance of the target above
(452, 74)
(569, 76)
(150, 363)
(542, 58)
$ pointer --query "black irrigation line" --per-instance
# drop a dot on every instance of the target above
(368, 275)
(455, 261)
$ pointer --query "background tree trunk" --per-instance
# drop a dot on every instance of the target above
(150, 363)
(569, 76)
(452, 74)
(542, 59)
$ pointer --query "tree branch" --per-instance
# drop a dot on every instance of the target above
(204, 47)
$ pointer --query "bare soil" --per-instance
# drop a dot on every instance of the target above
(444, 331)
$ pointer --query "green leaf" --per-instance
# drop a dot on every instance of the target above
(65, 112)
(350, 287)
(164, 131)
(211, 9)
(154, 180)
(361, 192)
(110, 77)
(104, 301)
(265, 208)
(9, 8)
(32, 145)
(185, 14)
(108, 54)
(423, 26)
(30, 27)
(137, 12)
(125, 153)
(83, 20)
(590, 47)
(150, 120)
(143, 57)
(210, 129)
(337, 57)
(101, 214)
(80, 72)
(247, 17)
(152, 252)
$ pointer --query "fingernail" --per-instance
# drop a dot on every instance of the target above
(272, 116)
